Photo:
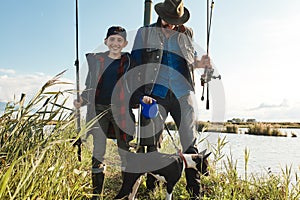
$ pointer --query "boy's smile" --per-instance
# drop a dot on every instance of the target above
(115, 44)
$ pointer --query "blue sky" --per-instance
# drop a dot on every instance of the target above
(254, 46)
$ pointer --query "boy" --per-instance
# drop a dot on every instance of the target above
(104, 94)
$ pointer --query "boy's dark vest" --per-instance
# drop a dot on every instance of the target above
(96, 64)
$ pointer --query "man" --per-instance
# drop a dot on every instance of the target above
(165, 53)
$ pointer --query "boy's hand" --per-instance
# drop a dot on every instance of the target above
(78, 104)
(203, 63)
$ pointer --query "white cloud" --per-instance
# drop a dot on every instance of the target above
(270, 106)
(13, 85)
(7, 71)
(286, 111)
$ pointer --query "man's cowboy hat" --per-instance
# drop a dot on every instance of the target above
(173, 12)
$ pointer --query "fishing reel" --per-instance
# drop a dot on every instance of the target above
(206, 77)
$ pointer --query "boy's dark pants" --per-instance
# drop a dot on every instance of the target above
(100, 134)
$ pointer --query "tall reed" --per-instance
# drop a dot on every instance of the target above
(37, 162)
(264, 129)
(36, 158)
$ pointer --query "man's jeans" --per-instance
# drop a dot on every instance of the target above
(183, 113)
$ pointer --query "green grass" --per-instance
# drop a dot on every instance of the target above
(39, 164)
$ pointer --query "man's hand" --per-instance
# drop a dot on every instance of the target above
(203, 63)
(147, 99)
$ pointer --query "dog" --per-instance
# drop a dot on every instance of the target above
(165, 167)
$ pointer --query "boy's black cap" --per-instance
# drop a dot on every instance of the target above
(116, 30)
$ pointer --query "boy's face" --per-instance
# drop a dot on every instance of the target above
(115, 43)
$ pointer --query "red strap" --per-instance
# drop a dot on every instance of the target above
(182, 158)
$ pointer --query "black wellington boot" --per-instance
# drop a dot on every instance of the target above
(97, 180)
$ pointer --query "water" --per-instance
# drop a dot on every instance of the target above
(267, 153)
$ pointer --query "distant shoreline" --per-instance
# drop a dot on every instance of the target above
(275, 124)
(253, 128)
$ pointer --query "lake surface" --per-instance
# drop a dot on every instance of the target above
(267, 153)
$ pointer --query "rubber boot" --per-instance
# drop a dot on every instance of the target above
(97, 180)
(98, 169)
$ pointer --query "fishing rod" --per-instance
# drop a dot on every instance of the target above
(77, 110)
(208, 72)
